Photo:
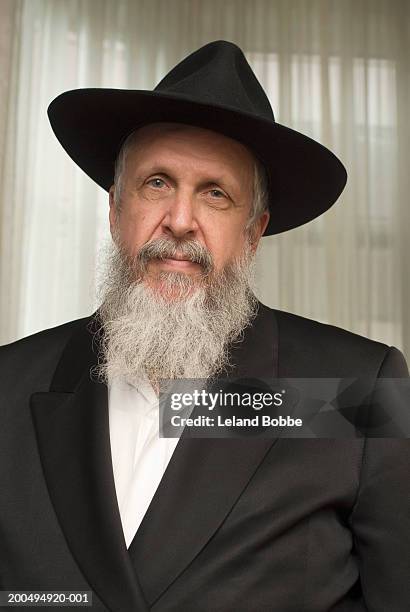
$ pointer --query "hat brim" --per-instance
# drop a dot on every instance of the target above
(305, 178)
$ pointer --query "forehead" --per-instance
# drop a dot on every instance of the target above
(197, 146)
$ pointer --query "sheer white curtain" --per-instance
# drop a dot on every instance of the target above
(338, 71)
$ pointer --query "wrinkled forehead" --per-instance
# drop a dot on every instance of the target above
(166, 128)
(166, 135)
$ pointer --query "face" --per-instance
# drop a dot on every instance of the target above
(186, 184)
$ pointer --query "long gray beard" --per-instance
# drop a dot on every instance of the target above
(146, 334)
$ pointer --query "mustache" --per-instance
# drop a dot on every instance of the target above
(164, 248)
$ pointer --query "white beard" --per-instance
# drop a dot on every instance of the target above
(146, 334)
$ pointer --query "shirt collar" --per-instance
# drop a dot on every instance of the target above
(143, 386)
(140, 386)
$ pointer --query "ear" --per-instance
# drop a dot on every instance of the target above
(113, 210)
(258, 229)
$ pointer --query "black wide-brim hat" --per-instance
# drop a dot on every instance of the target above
(213, 88)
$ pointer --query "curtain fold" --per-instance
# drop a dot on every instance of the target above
(337, 71)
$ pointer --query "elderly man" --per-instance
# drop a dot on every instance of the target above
(93, 500)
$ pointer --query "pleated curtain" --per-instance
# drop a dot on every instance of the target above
(335, 70)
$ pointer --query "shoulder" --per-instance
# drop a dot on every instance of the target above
(319, 349)
(36, 356)
(297, 328)
(47, 339)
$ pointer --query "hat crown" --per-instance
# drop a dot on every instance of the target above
(218, 74)
(216, 89)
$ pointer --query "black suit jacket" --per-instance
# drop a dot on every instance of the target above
(236, 524)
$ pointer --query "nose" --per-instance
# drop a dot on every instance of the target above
(180, 220)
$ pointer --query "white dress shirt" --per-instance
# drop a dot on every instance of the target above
(139, 455)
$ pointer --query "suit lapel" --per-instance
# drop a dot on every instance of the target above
(202, 482)
(71, 423)
(204, 478)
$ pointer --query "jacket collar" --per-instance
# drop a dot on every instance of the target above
(72, 428)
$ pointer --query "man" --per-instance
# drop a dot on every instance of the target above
(92, 498)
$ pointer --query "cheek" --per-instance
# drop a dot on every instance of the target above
(136, 228)
(225, 246)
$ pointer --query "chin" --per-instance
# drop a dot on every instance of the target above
(164, 287)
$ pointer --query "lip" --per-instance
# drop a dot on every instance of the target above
(178, 262)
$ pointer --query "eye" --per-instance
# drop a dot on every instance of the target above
(156, 182)
(217, 198)
(217, 193)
